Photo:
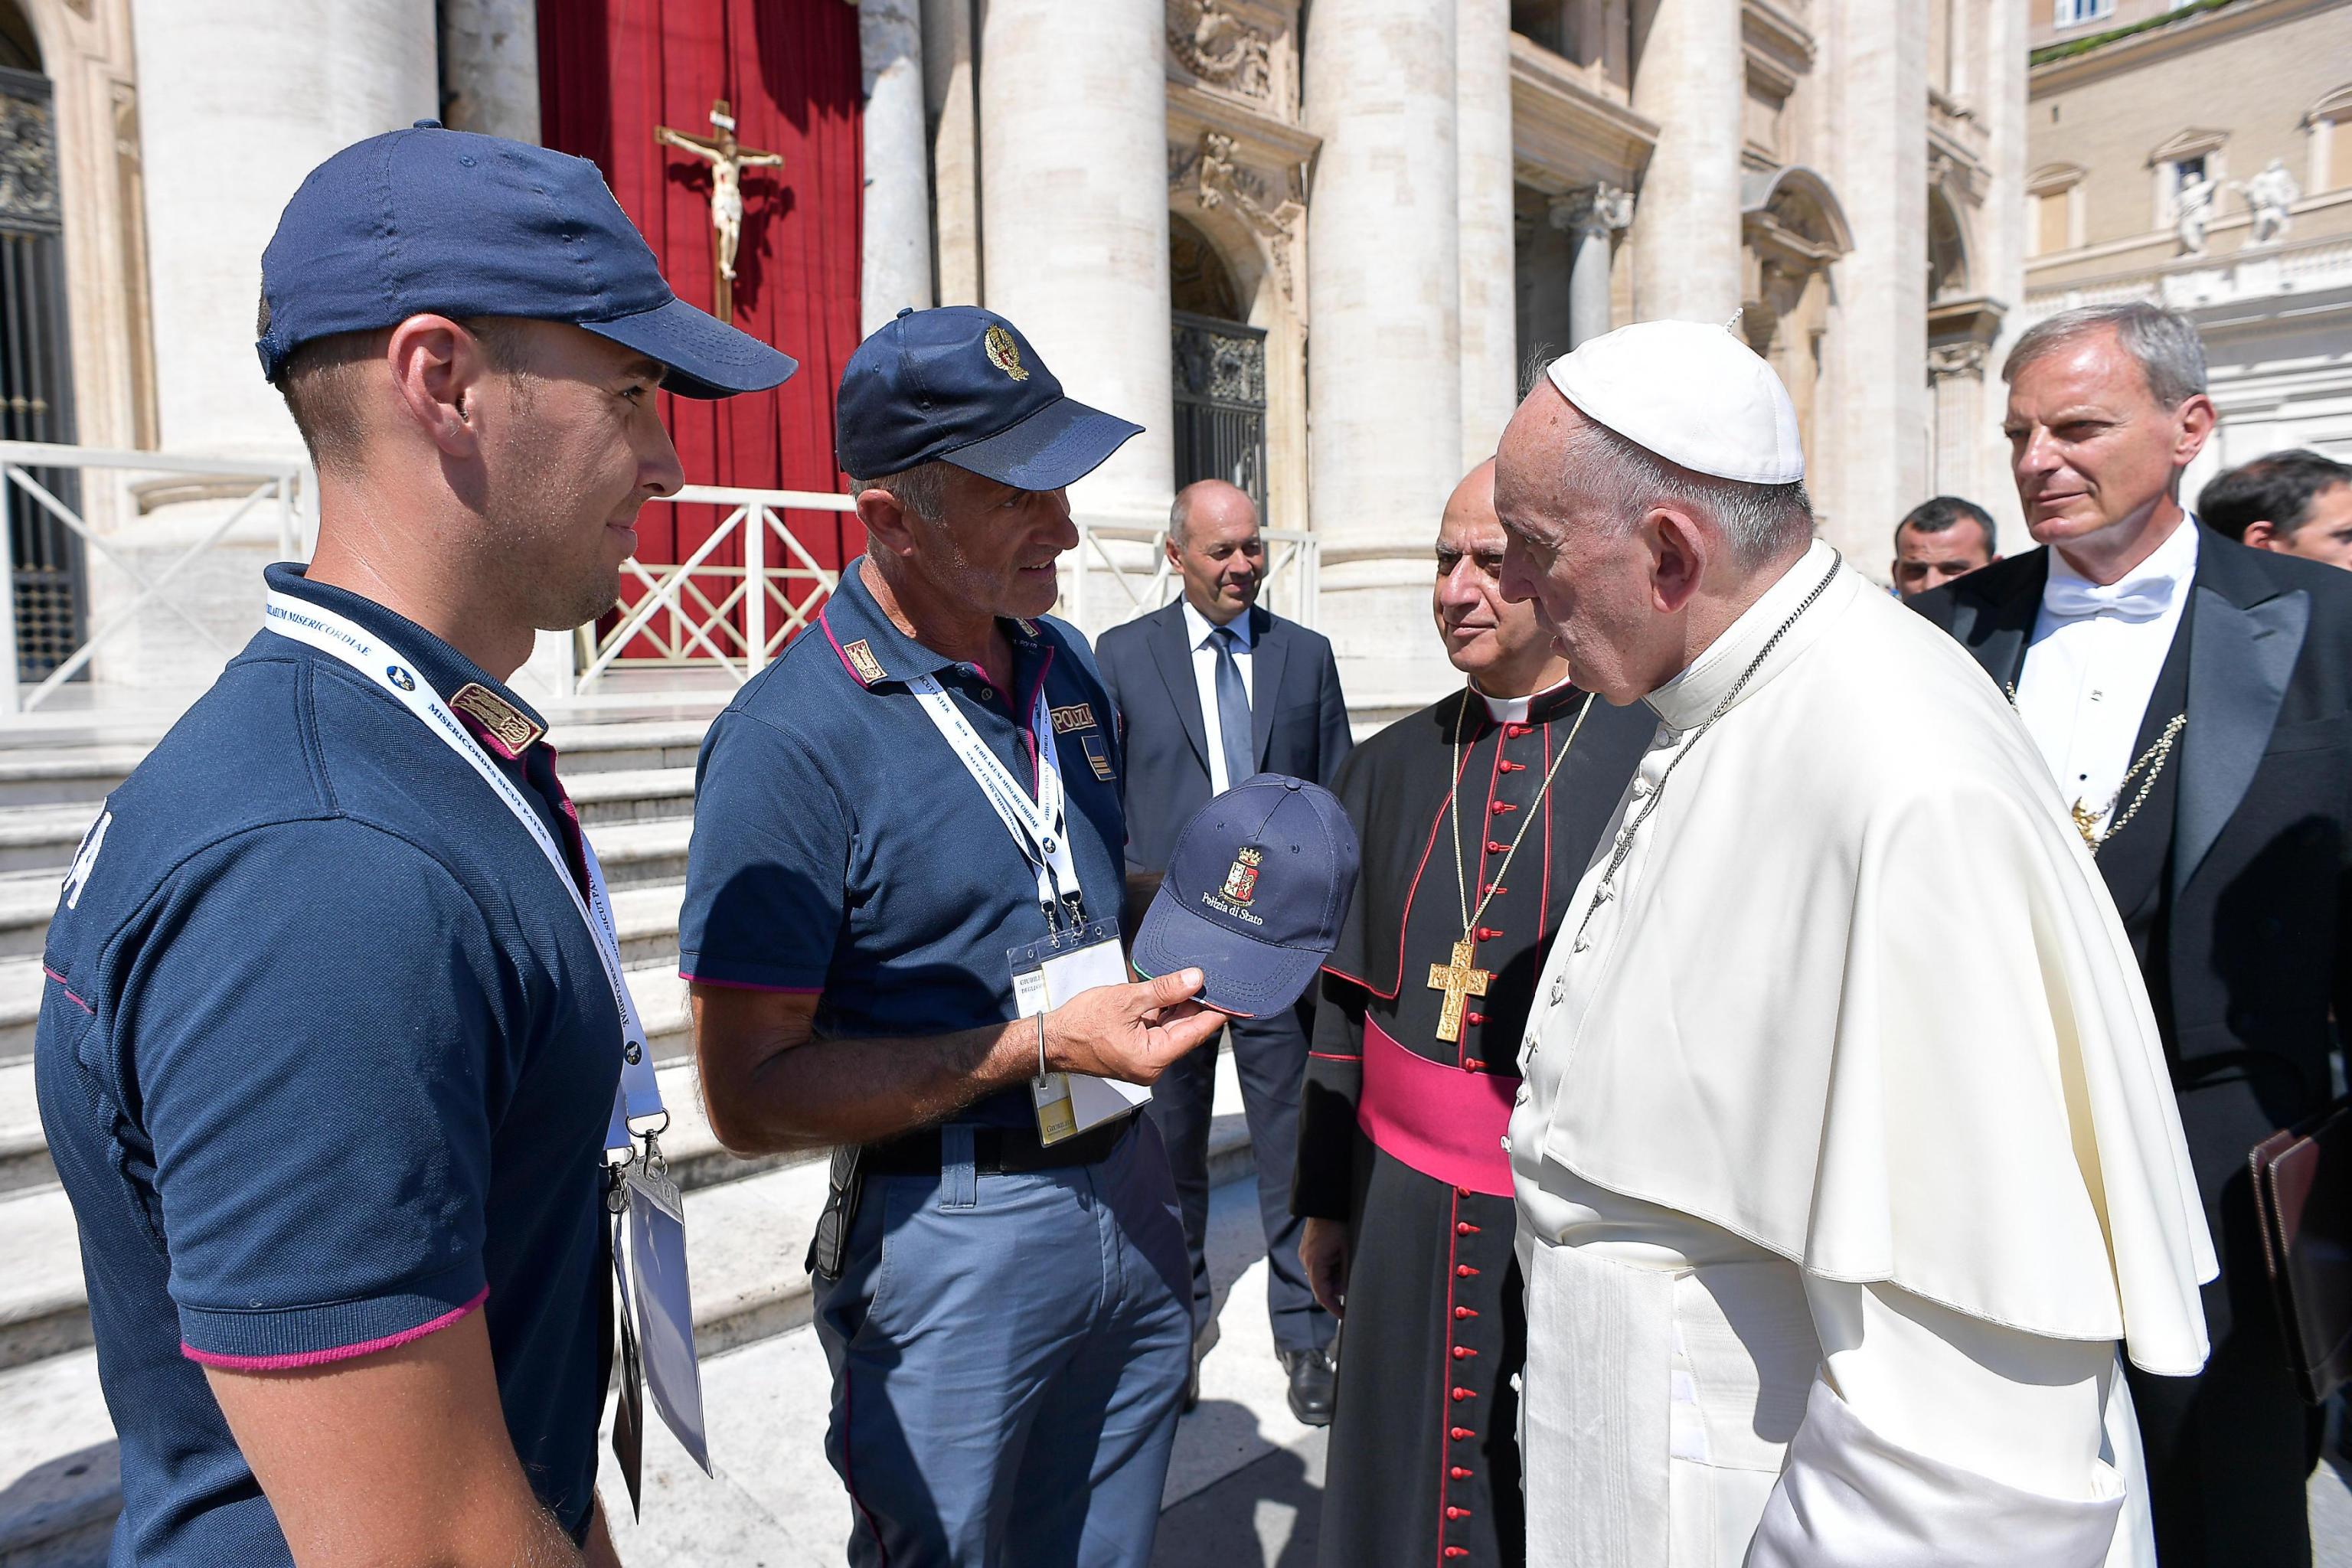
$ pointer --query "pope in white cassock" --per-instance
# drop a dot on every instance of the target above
(1846, 1161)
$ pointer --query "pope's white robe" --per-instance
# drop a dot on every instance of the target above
(1847, 1156)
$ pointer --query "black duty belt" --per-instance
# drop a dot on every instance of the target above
(995, 1151)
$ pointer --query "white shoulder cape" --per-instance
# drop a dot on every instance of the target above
(1870, 1005)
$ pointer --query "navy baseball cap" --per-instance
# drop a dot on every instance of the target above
(429, 220)
(1253, 894)
(960, 384)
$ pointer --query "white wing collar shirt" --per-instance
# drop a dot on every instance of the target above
(1828, 1257)
(2094, 662)
(1200, 636)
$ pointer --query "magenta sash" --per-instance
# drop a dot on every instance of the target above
(1447, 1123)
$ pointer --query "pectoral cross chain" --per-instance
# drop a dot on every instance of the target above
(1458, 980)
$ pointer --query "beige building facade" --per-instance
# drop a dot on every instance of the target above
(2201, 155)
(1319, 253)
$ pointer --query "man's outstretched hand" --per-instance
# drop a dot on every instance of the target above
(1131, 1033)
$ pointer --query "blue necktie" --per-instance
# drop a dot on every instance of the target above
(1232, 708)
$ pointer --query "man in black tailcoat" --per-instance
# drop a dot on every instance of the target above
(2194, 698)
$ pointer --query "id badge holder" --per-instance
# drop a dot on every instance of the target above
(629, 1418)
(665, 1307)
(1047, 975)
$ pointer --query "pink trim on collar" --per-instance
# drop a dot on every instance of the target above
(339, 1352)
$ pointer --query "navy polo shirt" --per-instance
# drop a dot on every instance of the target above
(325, 1059)
(841, 850)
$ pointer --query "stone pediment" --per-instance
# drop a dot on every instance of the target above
(2188, 143)
(1794, 209)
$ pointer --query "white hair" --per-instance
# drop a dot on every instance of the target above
(922, 490)
(1760, 522)
(2164, 344)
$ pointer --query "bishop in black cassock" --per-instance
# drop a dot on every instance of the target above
(1402, 1175)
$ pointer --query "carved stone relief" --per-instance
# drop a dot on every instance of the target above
(1219, 182)
(1948, 360)
(1594, 209)
(28, 163)
(1221, 48)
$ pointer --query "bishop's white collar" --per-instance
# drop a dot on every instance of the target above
(1686, 700)
(2143, 594)
(1515, 710)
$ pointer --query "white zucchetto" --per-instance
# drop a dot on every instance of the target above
(1692, 393)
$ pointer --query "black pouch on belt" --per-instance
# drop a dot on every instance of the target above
(829, 1247)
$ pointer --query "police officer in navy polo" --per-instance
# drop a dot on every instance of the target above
(1008, 1318)
(328, 1050)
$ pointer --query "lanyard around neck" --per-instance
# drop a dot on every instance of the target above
(1039, 826)
(637, 1103)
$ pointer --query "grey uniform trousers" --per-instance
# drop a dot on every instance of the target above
(1008, 1354)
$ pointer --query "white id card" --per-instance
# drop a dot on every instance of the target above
(1047, 975)
(665, 1308)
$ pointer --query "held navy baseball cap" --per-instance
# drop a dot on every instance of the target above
(960, 384)
(1253, 894)
(429, 220)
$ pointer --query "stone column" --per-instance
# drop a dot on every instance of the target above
(948, 104)
(489, 67)
(1594, 214)
(1874, 417)
(896, 270)
(240, 100)
(1691, 78)
(1997, 86)
(1483, 158)
(1073, 219)
(1384, 382)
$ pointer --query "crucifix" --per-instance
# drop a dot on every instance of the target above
(1457, 980)
(728, 159)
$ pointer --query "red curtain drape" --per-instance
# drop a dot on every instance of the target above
(611, 70)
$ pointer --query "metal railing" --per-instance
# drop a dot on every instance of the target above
(701, 614)
(730, 616)
(1107, 585)
(278, 485)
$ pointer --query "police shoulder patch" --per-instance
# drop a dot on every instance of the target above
(1077, 716)
(862, 662)
(502, 718)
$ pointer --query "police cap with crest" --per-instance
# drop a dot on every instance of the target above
(1253, 894)
(433, 221)
(960, 384)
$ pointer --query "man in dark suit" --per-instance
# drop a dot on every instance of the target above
(1211, 690)
(2194, 698)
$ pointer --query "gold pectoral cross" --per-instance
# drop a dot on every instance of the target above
(1457, 980)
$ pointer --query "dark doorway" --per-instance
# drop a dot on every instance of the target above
(1220, 370)
(48, 590)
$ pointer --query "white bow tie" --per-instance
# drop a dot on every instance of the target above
(2135, 598)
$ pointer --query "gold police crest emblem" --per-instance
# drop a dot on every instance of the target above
(1005, 354)
(1241, 879)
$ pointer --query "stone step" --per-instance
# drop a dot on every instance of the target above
(60, 1484)
(631, 795)
(43, 837)
(35, 775)
(65, 776)
(633, 745)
